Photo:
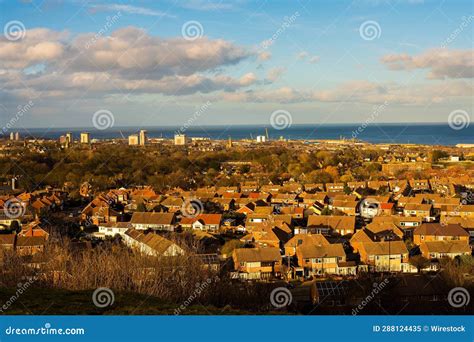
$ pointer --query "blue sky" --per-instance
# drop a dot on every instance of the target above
(131, 58)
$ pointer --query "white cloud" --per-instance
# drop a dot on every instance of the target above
(129, 9)
(361, 92)
(128, 61)
(441, 63)
(274, 74)
(264, 55)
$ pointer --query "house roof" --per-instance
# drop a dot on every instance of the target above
(466, 223)
(257, 254)
(437, 229)
(410, 200)
(33, 229)
(377, 228)
(444, 246)
(420, 207)
(467, 208)
(172, 201)
(386, 205)
(312, 239)
(344, 204)
(209, 218)
(259, 210)
(334, 222)
(360, 236)
(384, 247)
(154, 241)
(316, 251)
(262, 232)
(152, 218)
(203, 218)
(7, 239)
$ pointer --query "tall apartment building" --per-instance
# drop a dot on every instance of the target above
(180, 139)
(143, 137)
(69, 138)
(85, 138)
(133, 139)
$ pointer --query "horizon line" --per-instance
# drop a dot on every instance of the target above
(246, 125)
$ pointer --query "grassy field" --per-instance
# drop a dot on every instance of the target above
(61, 302)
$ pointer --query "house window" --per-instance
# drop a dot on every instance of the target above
(318, 260)
(422, 237)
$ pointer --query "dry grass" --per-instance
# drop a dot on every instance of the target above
(169, 279)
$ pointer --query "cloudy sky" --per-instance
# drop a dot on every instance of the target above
(159, 62)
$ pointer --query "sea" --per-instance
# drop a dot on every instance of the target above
(400, 133)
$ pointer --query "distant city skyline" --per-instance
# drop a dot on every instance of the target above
(202, 63)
